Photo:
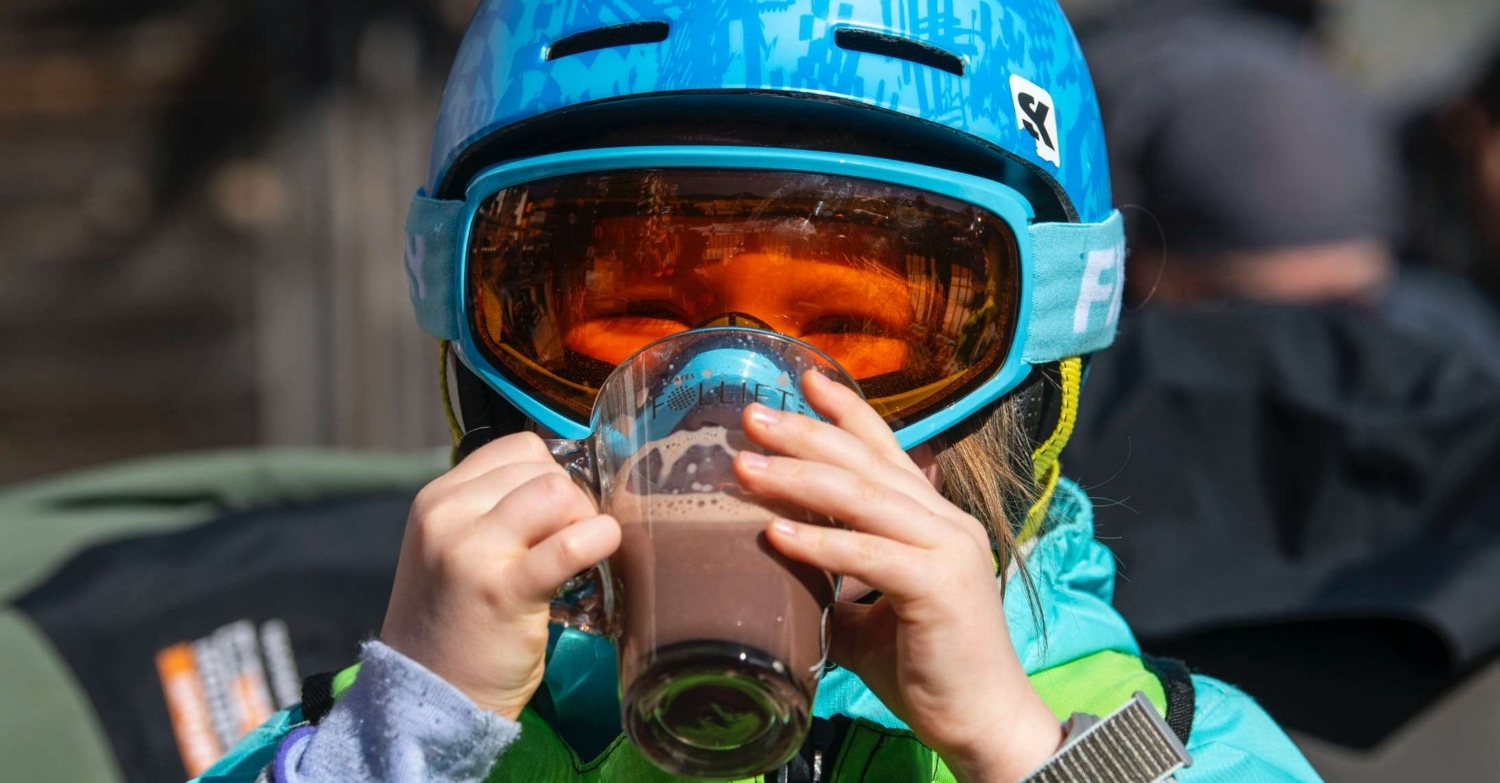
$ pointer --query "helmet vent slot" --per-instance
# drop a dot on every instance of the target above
(608, 37)
(856, 40)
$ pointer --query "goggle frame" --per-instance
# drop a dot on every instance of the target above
(998, 199)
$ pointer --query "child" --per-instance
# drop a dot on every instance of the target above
(920, 191)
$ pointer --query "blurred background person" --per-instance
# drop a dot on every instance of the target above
(1258, 175)
(1294, 446)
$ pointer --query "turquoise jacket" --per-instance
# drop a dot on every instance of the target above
(1233, 740)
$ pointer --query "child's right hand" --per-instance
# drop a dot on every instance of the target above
(487, 545)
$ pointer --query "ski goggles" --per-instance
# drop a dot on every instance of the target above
(934, 290)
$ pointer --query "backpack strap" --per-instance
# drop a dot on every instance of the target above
(1177, 683)
(317, 697)
(321, 691)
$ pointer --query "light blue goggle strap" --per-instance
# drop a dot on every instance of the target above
(433, 230)
(1078, 279)
(1078, 272)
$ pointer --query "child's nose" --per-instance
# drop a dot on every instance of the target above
(735, 318)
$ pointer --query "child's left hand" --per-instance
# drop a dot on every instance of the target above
(935, 647)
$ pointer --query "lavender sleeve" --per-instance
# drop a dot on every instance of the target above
(398, 723)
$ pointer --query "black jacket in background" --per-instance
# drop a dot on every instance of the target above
(1296, 488)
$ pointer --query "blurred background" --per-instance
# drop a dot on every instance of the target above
(201, 210)
(202, 205)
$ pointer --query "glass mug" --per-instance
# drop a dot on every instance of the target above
(720, 639)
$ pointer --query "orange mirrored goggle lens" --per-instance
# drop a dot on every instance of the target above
(914, 294)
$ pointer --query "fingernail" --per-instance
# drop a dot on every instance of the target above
(764, 416)
(754, 460)
(784, 527)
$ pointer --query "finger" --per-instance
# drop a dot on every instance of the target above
(446, 509)
(562, 555)
(518, 447)
(807, 438)
(862, 503)
(886, 565)
(503, 480)
(532, 512)
(850, 413)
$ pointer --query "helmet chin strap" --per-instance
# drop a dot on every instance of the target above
(1046, 468)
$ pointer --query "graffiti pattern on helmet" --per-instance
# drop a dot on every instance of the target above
(502, 76)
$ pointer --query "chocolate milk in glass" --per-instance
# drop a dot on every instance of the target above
(720, 638)
(694, 555)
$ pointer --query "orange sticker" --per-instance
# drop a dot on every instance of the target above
(187, 703)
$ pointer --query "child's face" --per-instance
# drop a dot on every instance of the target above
(857, 313)
(913, 294)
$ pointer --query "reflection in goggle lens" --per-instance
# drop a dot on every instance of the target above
(914, 294)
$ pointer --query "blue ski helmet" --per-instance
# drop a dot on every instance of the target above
(1006, 79)
(985, 102)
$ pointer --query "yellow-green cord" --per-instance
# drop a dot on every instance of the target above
(455, 431)
(1044, 460)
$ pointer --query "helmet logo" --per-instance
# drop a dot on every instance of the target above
(1035, 115)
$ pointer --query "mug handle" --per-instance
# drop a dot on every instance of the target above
(585, 602)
